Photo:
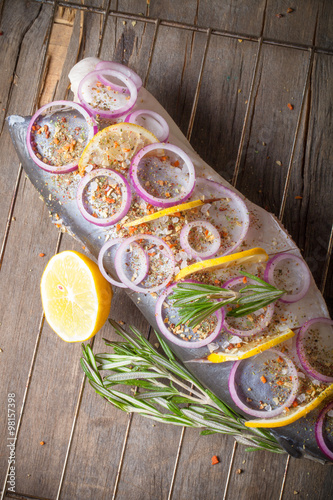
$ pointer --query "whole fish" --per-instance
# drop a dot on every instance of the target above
(59, 194)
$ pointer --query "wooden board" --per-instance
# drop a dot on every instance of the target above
(108, 453)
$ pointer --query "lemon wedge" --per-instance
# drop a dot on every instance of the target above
(76, 297)
(253, 255)
(166, 211)
(251, 348)
(115, 146)
(292, 414)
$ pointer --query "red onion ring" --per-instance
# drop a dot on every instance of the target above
(162, 202)
(184, 234)
(69, 167)
(157, 242)
(269, 275)
(262, 413)
(266, 319)
(101, 112)
(128, 72)
(137, 117)
(125, 191)
(142, 274)
(212, 189)
(301, 350)
(173, 338)
(319, 432)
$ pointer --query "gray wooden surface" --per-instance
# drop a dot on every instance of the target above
(91, 450)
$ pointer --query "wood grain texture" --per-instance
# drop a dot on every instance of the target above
(272, 125)
(222, 102)
(13, 28)
(21, 99)
(309, 480)
(196, 477)
(309, 220)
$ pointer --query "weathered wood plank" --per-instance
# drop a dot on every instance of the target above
(324, 33)
(309, 480)
(176, 60)
(271, 128)
(196, 477)
(21, 101)
(256, 475)
(17, 18)
(20, 316)
(222, 102)
(310, 218)
(237, 16)
(298, 26)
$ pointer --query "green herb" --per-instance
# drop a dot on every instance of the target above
(165, 390)
(196, 301)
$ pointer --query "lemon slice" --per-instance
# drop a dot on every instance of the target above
(166, 211)
(251, 348)
(76, 297)
(292, 414)
(253, 255)
(115, 146)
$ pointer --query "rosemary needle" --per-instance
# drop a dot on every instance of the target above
(166, 390)
(197, 301)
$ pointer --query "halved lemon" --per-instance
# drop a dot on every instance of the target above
(253, 255)
(292, 414)
(115, 146)
(251, 348)
(76, 297)
(166, 211)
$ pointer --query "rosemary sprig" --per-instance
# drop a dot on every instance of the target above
(196, 301)
(165, 390)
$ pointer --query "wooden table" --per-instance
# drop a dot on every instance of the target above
(229, 73)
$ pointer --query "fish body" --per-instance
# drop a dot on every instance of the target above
(59, 194)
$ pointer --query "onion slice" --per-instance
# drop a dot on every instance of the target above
(92, 80)
(176, 339)
(213, 247)
(187, 181)
(272, 264)
(128, 72)
(229, 215)
(263, 323)
(232, 384)
(157, 247)
(48, 117)
(319, 432)
(143, 270)
(119, 180)
(301, 348)
(152, 121)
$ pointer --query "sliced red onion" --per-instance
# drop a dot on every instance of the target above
(155, 244)
(142, 272)
(271, 266)
(125, 193)
(129, 73)
(92, 79)
(319, 432)
(301, 352)
(230, 211)
(175, 339)
(66, 110)
(213, 247)
(254, 384)
(267, 317)
(152, 121)
(186, 181)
